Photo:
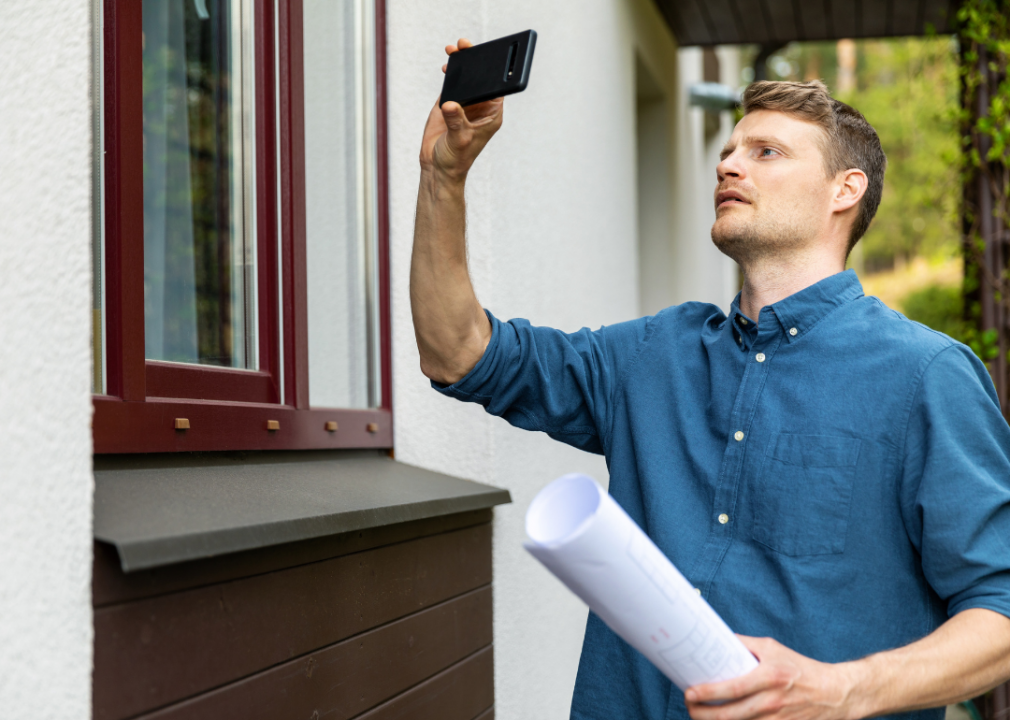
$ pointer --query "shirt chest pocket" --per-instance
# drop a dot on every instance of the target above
(801, 496)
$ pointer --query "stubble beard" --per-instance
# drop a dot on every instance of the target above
(755, 240)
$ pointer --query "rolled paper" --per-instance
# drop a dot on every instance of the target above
(590, 544)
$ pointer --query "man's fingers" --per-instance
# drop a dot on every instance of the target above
(453, 115)
(461, 44)
(759, 646)
(748, 708)
(755, 681)
(444, 67)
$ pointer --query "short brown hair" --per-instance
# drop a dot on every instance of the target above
(850, 141)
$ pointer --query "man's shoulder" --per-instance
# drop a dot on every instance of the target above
(677, 319)
(691, 313)
(893, 331)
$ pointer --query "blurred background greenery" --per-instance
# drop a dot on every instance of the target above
(908, 89)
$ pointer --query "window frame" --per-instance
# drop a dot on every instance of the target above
(229, 409)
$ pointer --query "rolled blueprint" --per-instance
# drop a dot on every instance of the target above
(587, 540)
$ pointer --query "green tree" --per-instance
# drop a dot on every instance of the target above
(908, 90)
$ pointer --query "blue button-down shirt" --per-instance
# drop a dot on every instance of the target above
(833, 475)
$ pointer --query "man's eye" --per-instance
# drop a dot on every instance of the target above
(765, 152)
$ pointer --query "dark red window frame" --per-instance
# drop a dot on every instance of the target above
(228, 409)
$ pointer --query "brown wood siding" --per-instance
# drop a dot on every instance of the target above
(111, 586)
(394, 622)
(459, 693)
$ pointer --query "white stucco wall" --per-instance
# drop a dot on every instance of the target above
(45, 360)
(552, 238)
(700, 271)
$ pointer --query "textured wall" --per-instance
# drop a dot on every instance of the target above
(700, 271)
(45, 360)
(552, 237)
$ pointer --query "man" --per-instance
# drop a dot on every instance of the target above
(826, 472)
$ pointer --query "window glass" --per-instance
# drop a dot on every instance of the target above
(340, 203)
(199, 253)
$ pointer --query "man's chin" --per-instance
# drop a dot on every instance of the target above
(728, 231)
(735, 238)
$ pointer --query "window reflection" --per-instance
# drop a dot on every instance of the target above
(340, 197)
(199, 261)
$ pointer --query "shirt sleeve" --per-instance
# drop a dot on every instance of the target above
(957, 483)
(543, 379)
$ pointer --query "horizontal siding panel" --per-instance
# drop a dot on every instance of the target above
(463, 692)
(704, 23)
(875, 17)
(939, 14)
(906, 19)
(355, 675)
(110, 585)
(755, 22)
(690, 21)
(158, 651)
(722, 17)
(783, 20)
(813, 19)
(845, 18)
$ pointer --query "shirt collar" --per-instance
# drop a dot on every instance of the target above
(802, 310)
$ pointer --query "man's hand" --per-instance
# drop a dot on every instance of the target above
(454, 136)
(784, 685)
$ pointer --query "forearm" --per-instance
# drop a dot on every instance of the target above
(451, 328)
(966, 656)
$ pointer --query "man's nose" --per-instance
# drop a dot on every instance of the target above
(730, 166)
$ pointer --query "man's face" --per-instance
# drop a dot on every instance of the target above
(773, 195)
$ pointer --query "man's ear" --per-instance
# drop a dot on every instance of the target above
(850, 186)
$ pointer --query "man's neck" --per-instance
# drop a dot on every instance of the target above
(768, 280)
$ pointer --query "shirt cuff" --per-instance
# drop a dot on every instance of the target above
(994, 594)
(470, 385)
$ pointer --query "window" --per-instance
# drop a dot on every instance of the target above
(340, 211)
(241, 279)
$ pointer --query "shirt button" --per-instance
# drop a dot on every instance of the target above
(723, 519)
(760, 357)
(743, 321)
(793, 331)
(738, 435)
(698, 590)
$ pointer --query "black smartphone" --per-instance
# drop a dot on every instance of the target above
(489, 70)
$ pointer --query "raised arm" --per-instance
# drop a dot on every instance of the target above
(451, 328)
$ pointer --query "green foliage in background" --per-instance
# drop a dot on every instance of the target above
(908, 90)
(939, 307)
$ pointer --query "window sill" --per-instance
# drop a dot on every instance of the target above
(164, 509)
